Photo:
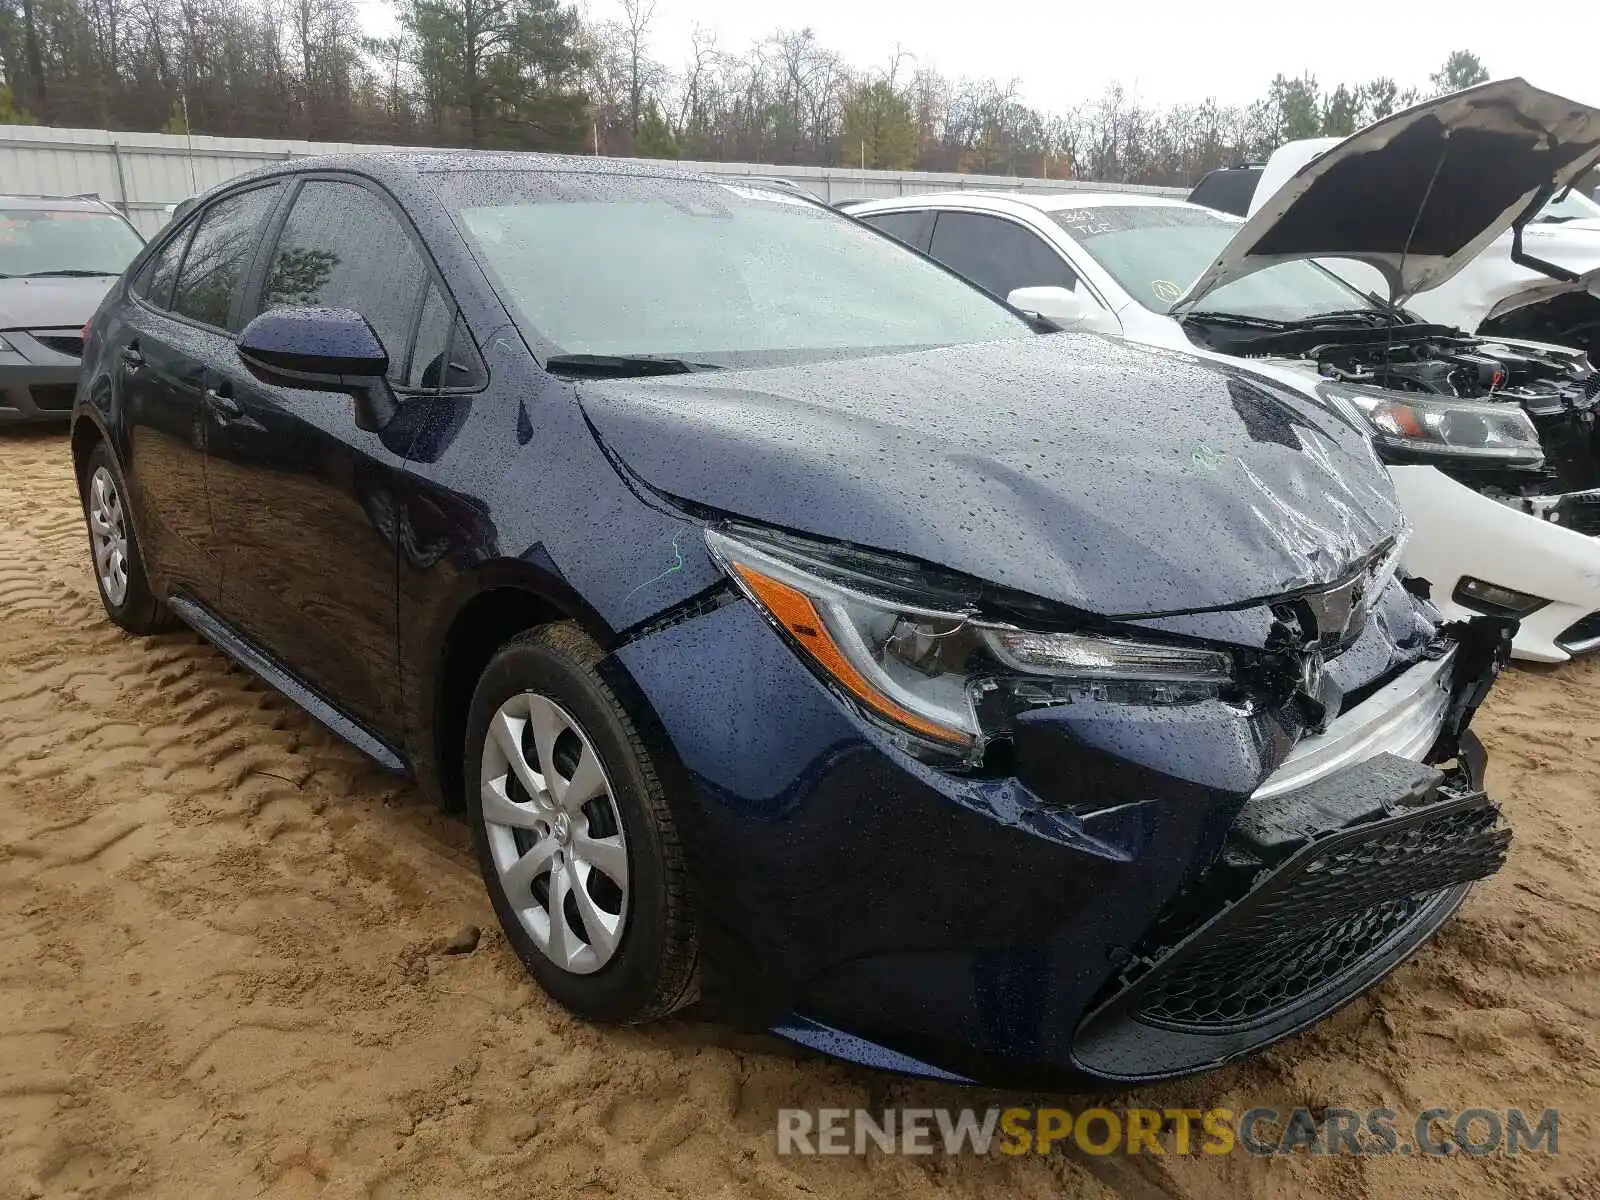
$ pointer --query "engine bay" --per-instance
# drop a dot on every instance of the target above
(1545, 381)
(1557, 388)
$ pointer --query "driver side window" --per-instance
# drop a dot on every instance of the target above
(343, 247)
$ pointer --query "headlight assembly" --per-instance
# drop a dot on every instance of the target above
(939, 673)
(1442, 426)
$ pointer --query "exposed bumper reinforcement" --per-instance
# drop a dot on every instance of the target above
(1403, 718)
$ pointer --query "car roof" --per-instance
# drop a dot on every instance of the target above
(411, 165)
(407, 172)
(1042, 201)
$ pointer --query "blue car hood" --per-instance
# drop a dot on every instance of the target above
(1114, 479)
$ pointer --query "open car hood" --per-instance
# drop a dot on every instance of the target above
(1419, 194)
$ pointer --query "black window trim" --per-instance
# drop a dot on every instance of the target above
(255, 280)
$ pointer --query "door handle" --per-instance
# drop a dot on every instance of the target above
(223, 405)
(131, 357)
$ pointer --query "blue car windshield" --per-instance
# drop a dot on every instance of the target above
(720, 273)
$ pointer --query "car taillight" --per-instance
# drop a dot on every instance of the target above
(84, 332)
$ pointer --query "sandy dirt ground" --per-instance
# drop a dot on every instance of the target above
(222, 970)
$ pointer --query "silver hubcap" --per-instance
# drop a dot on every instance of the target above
(555, 834)
(108, 533)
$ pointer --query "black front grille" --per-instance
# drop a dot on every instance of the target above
(61, 343)
(1261, 972)
(53, 397)
(1326, 910)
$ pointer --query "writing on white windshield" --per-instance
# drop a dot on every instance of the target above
(43, 242)
(1156, 251)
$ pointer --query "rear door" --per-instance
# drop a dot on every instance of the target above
(306, 496)
(169, 346)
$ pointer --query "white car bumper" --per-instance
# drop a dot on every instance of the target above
(1459, 533)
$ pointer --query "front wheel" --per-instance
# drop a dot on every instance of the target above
(573, 834)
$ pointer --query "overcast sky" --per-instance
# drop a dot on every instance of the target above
(1166, 51)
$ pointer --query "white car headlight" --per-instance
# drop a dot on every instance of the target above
(1442, 426)
(939, 673)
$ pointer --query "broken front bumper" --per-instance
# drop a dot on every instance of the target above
(1341, 864)
(1350, 876)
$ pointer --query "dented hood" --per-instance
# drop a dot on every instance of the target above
(1113, 479)
(1419, 194)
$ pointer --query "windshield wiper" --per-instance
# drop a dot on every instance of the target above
(67, 273)
(1228, 318)
(623, 365)
(1365, 315)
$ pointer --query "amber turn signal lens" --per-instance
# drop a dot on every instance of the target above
(794, 611)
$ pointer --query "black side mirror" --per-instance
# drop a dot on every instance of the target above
(313, 341)
(334, 349)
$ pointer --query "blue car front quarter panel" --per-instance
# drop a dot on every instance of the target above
(927, 910)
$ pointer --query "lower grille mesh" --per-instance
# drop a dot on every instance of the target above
(1321, 914)
(1252, 976)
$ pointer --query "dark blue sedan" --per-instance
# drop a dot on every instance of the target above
(808, 641)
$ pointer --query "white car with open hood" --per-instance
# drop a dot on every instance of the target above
(1492, 442)
(1540, 284)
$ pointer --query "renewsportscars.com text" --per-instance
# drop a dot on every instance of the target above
(1183, 1131)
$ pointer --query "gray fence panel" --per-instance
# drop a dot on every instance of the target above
(144, 173)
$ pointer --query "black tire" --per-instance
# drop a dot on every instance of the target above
(140, 611)
(654, 969)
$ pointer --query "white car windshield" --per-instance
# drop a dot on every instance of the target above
(1157, 251)
(726, 275)
(1574, 206)
(43, 241)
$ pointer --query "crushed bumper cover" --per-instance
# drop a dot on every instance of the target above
(1346, 878)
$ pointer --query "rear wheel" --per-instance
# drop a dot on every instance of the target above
(118, 565)
(573, 834)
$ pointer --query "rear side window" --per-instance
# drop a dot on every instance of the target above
(1228, 191)
(157, 276)
(219, 256)
(903, 226)
(343, 247)
(997, 255)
